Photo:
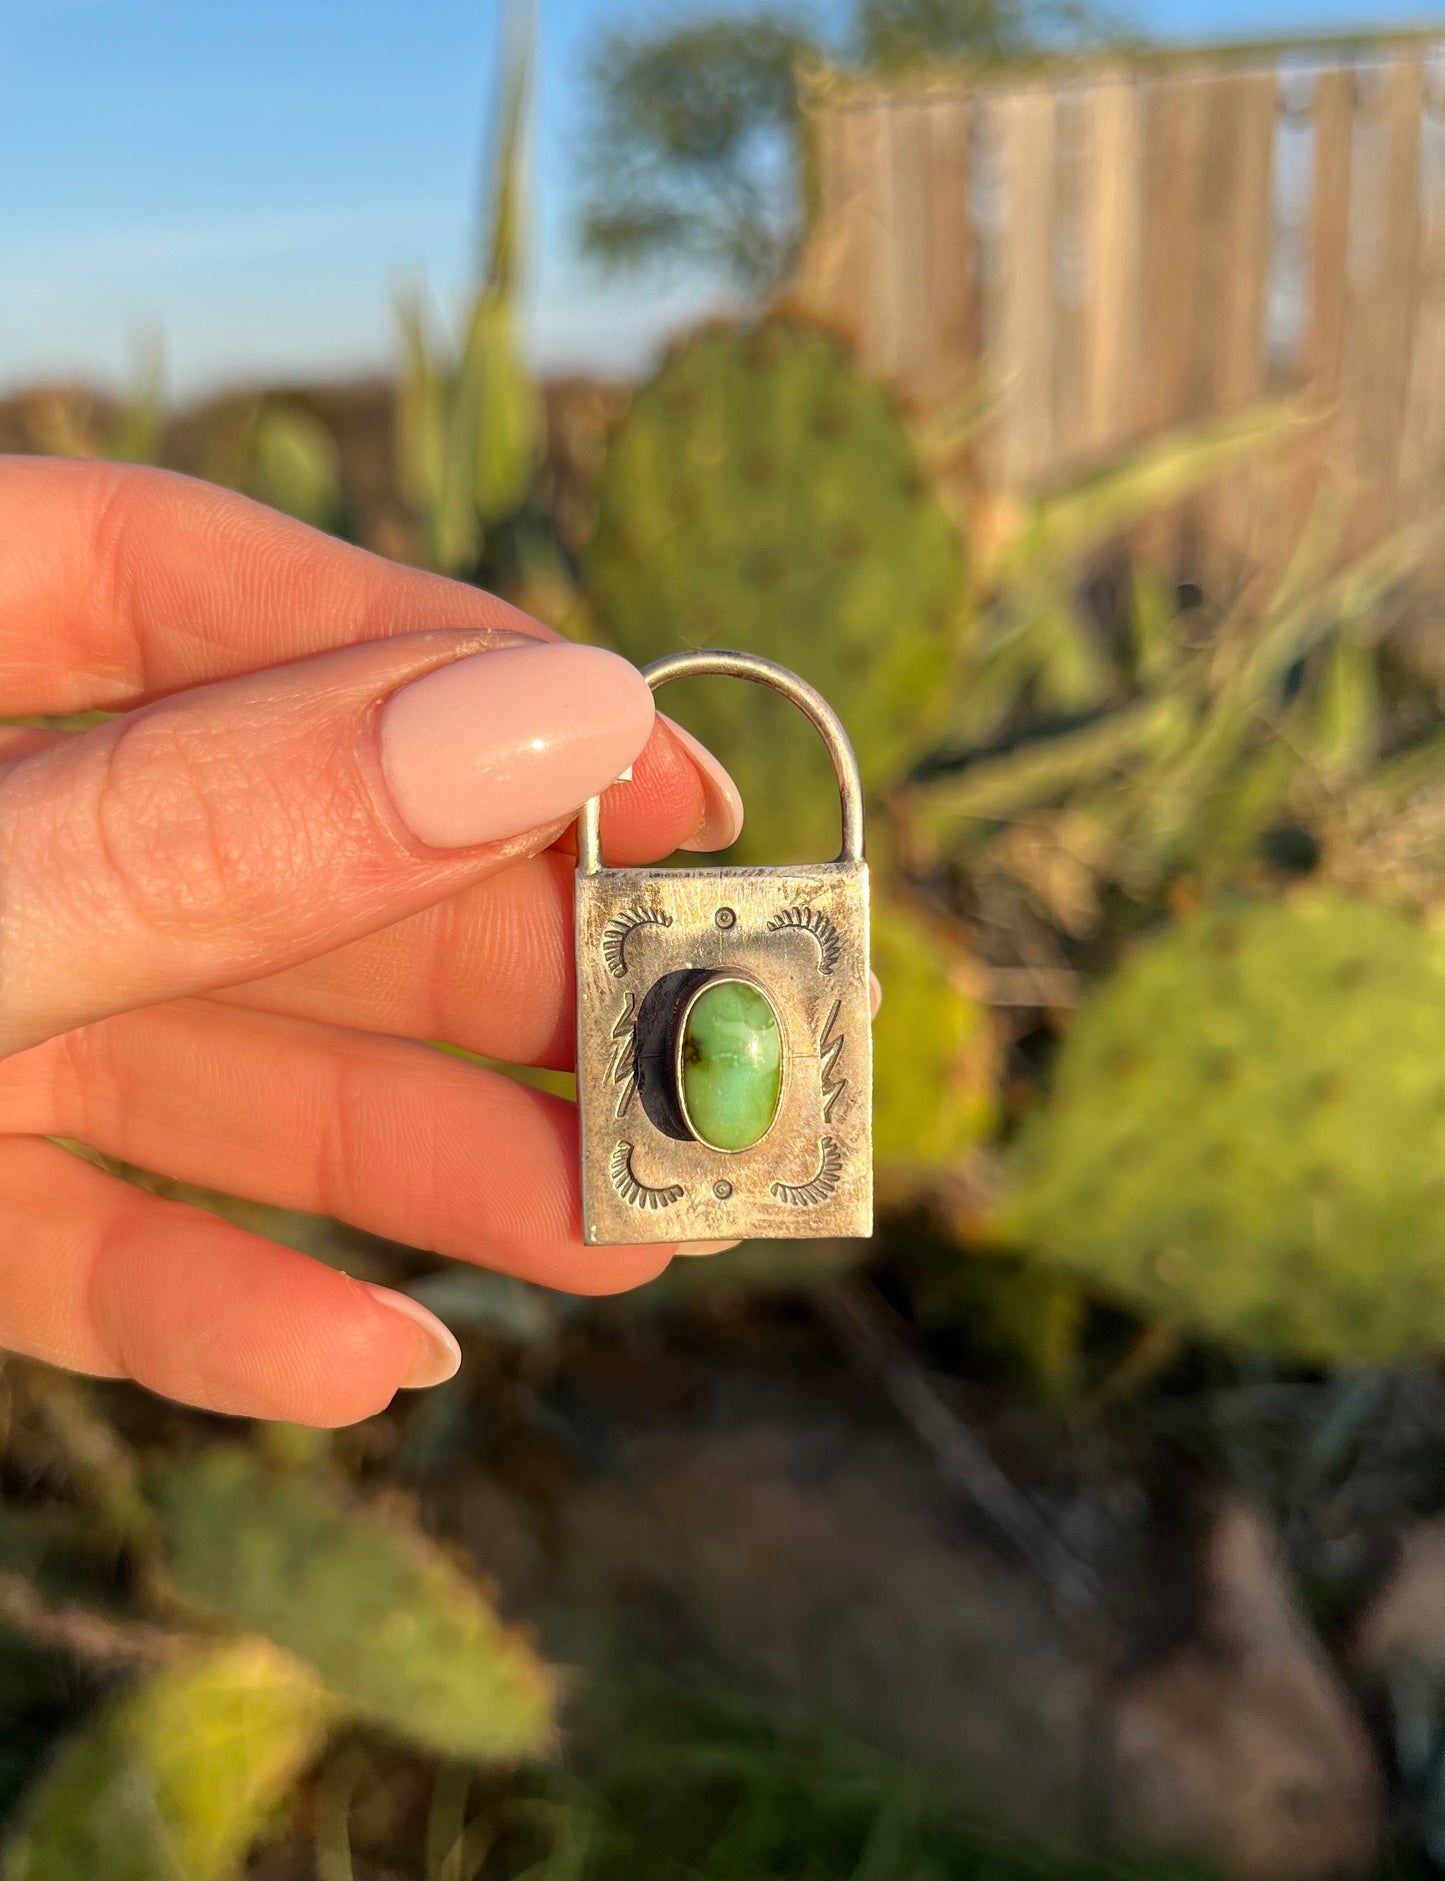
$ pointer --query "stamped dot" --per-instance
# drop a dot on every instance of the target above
(722, 1190)
(725, 918)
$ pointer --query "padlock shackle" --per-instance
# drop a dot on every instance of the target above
(827, 724)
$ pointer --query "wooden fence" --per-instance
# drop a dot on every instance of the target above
(1126, 247)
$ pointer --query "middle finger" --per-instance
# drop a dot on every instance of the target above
(397, 1140)
(490, 970)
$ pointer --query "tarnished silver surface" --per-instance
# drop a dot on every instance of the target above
(646, 940)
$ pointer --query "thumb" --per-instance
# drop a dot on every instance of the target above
(239, 828)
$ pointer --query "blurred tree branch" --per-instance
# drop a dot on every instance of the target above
(691, 143)
(692, 139)
(894, 34)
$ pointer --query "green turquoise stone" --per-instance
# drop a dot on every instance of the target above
(731, 1066)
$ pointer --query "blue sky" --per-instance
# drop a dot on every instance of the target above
(255, 175)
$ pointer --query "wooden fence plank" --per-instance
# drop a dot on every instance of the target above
(854, 307)
(817, 280)
(1422, 445)
(952, 279)
(1237, 226)
(1175, 126)
(1113, 281)
(1297, 473)
(1026, 332)
(1174, 140)
(1380, 308)
(1329, 232)
(877, 304)
(1400, 284)
(914, 345)
(1112, 214)
(1240, 360)
(1212, 234)
(834, 267)
(1070, 282)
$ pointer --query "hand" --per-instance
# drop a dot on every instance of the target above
(331, 821)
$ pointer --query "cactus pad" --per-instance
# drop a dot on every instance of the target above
(175, 1780)
(397, 1633)
(934, 1048)
(1247, 1132)
(761, 493)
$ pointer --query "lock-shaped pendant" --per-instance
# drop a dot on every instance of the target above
(724, 1059)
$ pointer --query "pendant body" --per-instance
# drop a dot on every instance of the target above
(724, 1056)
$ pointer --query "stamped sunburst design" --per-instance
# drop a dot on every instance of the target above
(615, 936)
(619, 1167)
(809, 1194)
(812, 921)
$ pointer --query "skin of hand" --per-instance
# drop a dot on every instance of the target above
(332, 818)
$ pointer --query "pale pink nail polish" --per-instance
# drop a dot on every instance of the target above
(503, 742)
(875, 995)
(704, 1247)
(722, 820)
(438, 1356)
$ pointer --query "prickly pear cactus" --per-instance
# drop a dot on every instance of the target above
(176, 1779)
(396, 1632)
(933, 1046)
(762, 493)
(1247, 1132)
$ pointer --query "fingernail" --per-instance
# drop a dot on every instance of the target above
(875, 995)
(704, 1247)
(722, 817)
(438, 1355)
(503, 742)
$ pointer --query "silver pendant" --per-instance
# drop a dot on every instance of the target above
(724, 1061)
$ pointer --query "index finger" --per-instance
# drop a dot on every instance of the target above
(119, 583)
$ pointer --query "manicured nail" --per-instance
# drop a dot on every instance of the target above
(704, 1247)
(503, 742)
(437, 1356)
(722, 815)
(875, 995)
